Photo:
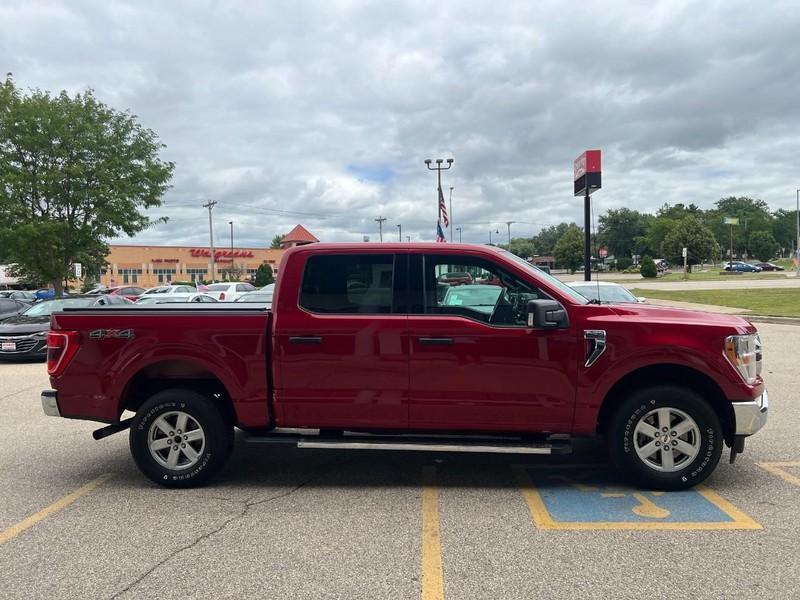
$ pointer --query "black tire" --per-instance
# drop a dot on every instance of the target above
(208, 454)
(654, 471)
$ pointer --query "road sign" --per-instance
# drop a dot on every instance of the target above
(586, 172)
(603, 252)
(731, 221)
(684, 254)
(78, 270)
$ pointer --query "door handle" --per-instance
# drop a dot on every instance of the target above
(435, 341)
(305, 339)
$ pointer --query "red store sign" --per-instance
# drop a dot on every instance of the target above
(222, 253)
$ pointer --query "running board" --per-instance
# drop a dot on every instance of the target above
(485, 446)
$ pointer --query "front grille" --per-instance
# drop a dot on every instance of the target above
(24, 344)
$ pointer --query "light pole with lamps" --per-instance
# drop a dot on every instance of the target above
(439, 168)
(509, 223)
(400, 231)
(451, 214)
(497, 232)
(458, 229)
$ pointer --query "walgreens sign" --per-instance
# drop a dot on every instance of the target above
(222, 253)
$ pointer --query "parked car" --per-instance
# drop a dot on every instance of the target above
(742, 267)
(24, 336)
(10, 308)
(259, 296)
(229, 292)
(44, 293)
(175, 299)
(163, 291)
(661, 265)
(364, 367)
(456, 278)
(768, 266)
(21, 295)
(131, 292)
(605, 292)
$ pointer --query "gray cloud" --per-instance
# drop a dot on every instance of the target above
(321, 113)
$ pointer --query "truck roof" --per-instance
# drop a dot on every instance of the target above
(392, 246)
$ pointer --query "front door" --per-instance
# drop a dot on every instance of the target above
(342, 344)
(475, 364)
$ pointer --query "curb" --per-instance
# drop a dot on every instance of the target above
(768, 319)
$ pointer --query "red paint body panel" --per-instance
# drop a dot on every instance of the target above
(372, 372)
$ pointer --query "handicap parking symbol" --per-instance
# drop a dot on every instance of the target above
(592, 500)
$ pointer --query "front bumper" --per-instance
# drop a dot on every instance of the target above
(751, 416)
(50, 403)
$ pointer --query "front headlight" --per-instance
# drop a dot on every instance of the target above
(744, 353)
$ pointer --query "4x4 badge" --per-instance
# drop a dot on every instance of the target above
(104, 334)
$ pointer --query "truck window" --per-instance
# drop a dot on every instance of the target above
(476, 289)
(348, 283)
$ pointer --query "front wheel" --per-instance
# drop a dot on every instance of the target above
(665, 437)
(180, 438)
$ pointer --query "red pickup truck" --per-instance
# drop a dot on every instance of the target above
(363, 347)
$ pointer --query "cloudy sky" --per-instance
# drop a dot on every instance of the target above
(322, 112)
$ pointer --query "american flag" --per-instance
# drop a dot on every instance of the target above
(443, 209)
(439, 232)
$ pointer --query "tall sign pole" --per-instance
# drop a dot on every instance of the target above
(439, 195)
(209, 205)
(586, 177)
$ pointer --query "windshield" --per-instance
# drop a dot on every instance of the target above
(48, 307)
(556, 283)
(157, 290)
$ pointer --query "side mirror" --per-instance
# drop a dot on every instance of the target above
(547, 314)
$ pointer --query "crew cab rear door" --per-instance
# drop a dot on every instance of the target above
(341, 343)
(475, 364)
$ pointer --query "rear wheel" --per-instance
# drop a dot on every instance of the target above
(180, 438)
(665, 437)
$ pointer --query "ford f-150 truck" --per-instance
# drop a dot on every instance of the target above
(365, 346)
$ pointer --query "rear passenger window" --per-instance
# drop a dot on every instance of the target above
(348, 283)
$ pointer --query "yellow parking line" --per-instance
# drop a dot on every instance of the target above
(776, 469)
(432, 576)
(13, 531)
(543, 520)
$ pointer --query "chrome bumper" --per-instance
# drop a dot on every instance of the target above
(50, 403)
(751, 416)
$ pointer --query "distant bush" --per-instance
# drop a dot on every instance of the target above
(648, 268)
(623, 263)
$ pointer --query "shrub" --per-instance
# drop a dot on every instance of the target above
(648, 268)
(623, 263)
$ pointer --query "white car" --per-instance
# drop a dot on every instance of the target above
(175, 298)
(605, 292)
(163, 291)
(228, 292)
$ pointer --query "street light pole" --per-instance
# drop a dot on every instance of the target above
(459, 234)
(439, 168)
(509, 223)
(451, 214)
(797, 242)
(400, 231)
(209, 205)
(380, 221)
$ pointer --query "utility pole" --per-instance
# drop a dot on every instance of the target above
(408, 238)
(231, 224)
(797, 246)
(451, 214)
(439, 195)
(509, 223)
(209, 205)
(380, 221)
(400, 231)
(459, 234)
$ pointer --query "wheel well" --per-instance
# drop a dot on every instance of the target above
(175, 374)
(673, 374)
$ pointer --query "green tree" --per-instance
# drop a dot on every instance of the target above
(73, 173)
(763, 245)
(692, 234)
(523, 247)
(619, 230)
(753, 216)
(784, 228)
(648, 268)
(264, 275)
(568, 250)
(276, 242)
(545, 240)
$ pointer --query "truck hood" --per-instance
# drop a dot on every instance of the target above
(667, 314)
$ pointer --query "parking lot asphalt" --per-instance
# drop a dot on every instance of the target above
(77, 520)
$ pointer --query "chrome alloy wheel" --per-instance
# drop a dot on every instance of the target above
(667, 439)
(176, 440)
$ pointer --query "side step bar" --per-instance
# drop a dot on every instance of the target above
(419, 444)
